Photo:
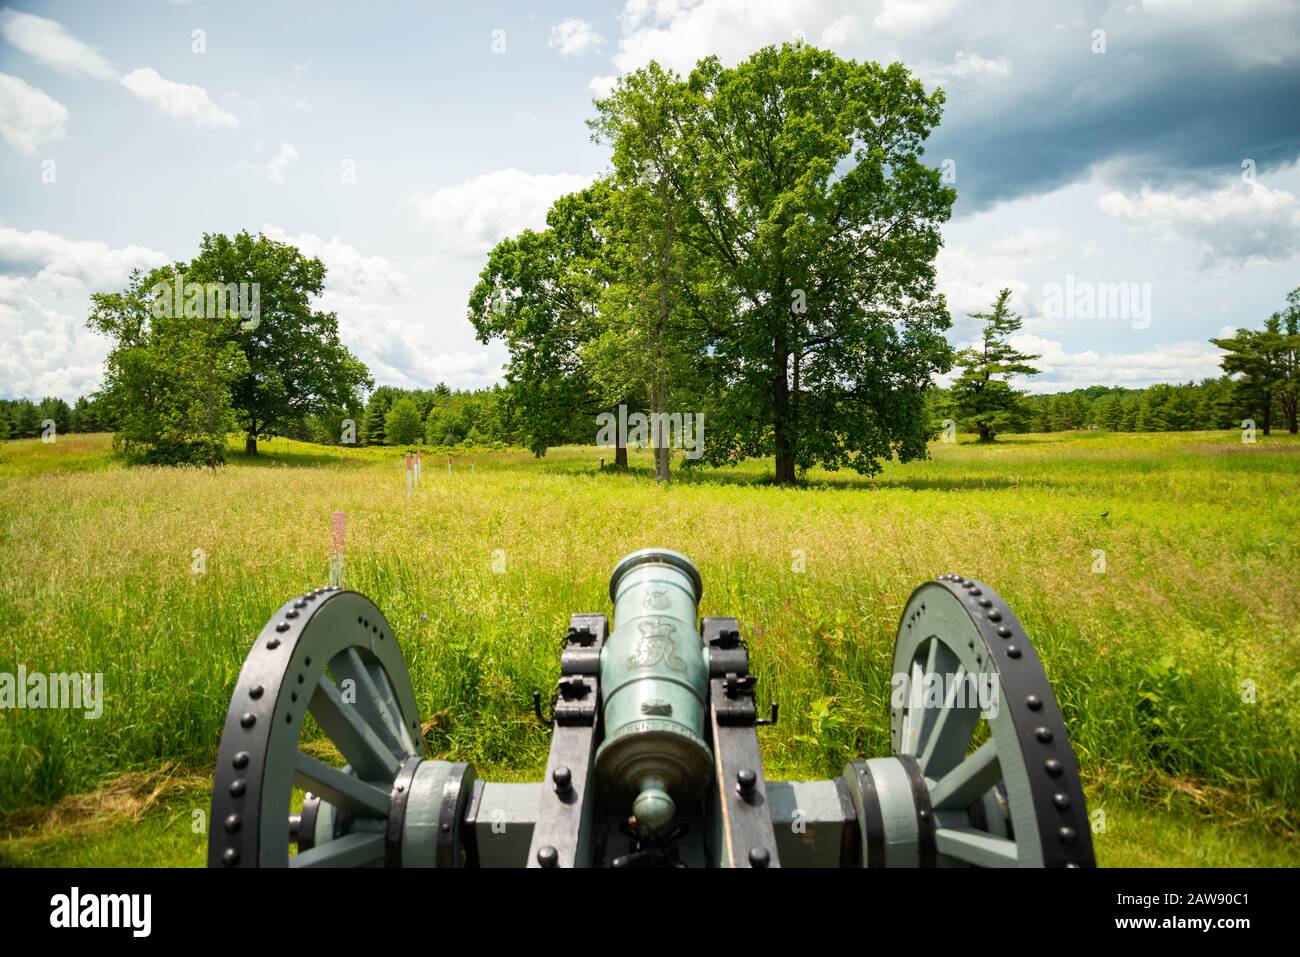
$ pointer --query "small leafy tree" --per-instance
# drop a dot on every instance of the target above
(169, 376)
(402, 425)
(982, 395)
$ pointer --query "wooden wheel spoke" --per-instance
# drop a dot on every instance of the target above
(946, 740)
(968, 781)
(346, 726)
(351, 850)
(976, 847)
(384, 687)
(377, 708)
(344, 791)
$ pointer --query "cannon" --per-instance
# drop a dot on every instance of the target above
(654, 757)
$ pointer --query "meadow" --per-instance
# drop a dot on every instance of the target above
(1177, 667)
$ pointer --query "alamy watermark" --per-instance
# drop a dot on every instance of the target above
(75, 690)
(935, 690)
(209, 300)
(671, 430)
(1098, 300)
(74, 909)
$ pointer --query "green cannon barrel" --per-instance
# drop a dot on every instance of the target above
(654, 677)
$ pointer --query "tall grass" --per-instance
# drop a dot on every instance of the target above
(1148, 659)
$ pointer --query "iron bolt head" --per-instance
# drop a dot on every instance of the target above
(563, 779)
(746, 780)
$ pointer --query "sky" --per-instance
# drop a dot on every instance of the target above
(1130, 170)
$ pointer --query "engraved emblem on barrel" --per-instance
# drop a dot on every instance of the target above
(656, 644)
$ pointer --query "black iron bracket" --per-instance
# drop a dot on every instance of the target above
(743, 819)
(562, 833)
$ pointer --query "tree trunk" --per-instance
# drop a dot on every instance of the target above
(781, 419)
(661, 464)
(659, 431)
(250, 444)
(1268, 410)
(659, 392)
(620, 452)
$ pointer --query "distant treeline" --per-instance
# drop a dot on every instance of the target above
(437, 416)
(483, 417)
(25, 419)
(1220, 403)
(390, 416)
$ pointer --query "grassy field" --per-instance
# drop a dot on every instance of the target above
(1178, 668)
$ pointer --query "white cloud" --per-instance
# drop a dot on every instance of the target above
(602, 86)
(1241, 223)
(911, 16)
(47, 41)
(970, 278)
(472, 217)
(380, 322)
(273, 168)
(87, 262)
(48, 349)
(842, 30)
(574, 37)
(28, 116)
(348, 270)
(1061, 370)
(678, 33)
(181, 101)
(965, 66)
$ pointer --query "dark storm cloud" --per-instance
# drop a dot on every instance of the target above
(1166, 104)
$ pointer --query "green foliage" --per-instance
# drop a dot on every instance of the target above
(809, 196)
(660, 295)
(540, 293)
(1268, 363)
(375, 431)
(469, 418)
(762, 252)
(402, 425)
(982, 396)
(296, 365)
(1208, 405)
(169, 376)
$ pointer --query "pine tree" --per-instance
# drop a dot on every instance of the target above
(987, 403)
(376, 412)
(1111, 414)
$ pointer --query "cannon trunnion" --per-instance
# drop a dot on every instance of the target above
(654, 758)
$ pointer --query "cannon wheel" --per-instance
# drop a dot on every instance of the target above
(329, 653)
(1002, 781)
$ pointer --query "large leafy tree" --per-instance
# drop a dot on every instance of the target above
(982, 395)
(810, 196)
(296, 364)
(654, 310)
(540, 293)
(169, 376)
